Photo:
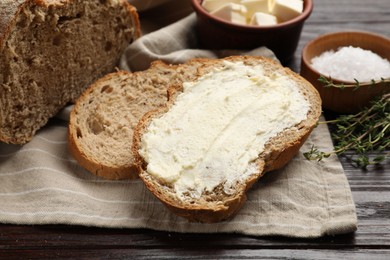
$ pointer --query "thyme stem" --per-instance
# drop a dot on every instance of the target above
(363, 133)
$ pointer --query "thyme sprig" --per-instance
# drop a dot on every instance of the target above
(365, 133)
(328, 83)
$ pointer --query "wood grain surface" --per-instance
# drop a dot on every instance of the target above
(370, 188)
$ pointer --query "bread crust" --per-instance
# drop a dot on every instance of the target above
(10, 9)
(134, 18)
(278, 150)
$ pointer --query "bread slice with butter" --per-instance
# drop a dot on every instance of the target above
(220, 132)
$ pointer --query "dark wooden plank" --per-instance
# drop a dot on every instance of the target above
(196, 254)
(342, 15)
(371, 234)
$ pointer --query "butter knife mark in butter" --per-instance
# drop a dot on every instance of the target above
(218, 126)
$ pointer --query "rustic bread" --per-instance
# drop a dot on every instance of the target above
(50, 51)
(159, 136)
(103, 118)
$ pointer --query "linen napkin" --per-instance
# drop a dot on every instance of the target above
(40, 182)
(175, 44)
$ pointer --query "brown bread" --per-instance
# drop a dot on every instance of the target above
(50, 51)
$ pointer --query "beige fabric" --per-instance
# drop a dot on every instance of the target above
(175, 43)
(40, 183)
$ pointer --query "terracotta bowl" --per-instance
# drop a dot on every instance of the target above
(348, 99)
(282, 39)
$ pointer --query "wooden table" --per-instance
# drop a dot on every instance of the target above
(371, 189)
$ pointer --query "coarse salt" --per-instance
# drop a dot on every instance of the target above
(352, 63)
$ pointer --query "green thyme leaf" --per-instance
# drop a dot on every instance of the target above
(364, 133)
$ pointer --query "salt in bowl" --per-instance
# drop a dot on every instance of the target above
(350, 98)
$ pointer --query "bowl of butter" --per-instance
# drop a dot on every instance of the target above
(248, 24)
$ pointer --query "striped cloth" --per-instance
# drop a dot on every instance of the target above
(40, 183)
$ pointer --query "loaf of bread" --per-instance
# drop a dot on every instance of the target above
(220, 132)
(50, 51)
(103, 119)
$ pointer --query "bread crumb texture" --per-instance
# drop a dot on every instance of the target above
(50, 51)
(102, 122)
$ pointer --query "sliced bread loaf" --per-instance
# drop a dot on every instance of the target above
(104, 117)
(50, 51)
(220, 132)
